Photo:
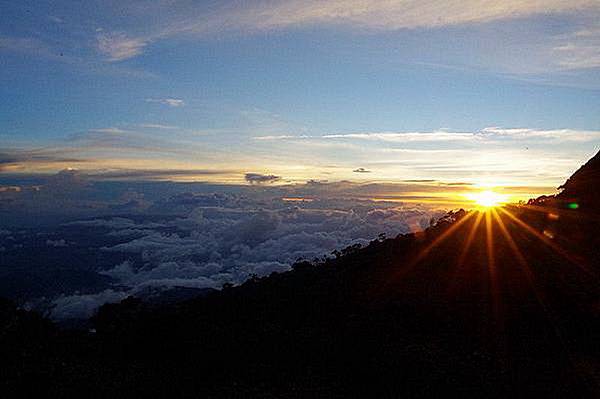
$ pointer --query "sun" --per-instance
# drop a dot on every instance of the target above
(487, 198)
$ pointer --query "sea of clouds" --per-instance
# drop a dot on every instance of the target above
(201, 237)
(215, 245)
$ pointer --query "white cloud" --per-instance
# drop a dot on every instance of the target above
(234, 240)
(281, 137)
(382, 15)
(109, 130)
(559, 135)
(167, 274)
(257, 16)
(119, 47)
(158, 126)
(396, 14)
(51, 50)
(83, 306)
(485, 134)
(579, 50)
(55, 19)
(215, 245)
(383, 136)
(172, 102)
(215, 237)
(405, 136)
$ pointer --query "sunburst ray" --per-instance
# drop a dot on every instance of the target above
(493, 272)
(559, 250)
(400, 273)
(538, 293)
(465, 251)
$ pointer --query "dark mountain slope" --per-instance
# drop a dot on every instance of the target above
(499, 303)
(582, 187)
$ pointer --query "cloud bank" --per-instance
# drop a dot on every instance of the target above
(217, 238)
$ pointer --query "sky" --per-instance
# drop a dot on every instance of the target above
(478, 93)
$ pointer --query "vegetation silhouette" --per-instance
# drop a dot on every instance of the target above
(494, 302)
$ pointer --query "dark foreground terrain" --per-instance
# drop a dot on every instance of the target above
(496, 303)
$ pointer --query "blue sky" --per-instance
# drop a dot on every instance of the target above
(480, 91)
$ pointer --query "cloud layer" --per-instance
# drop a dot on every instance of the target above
(543, 156)
(397, 14)
(489, 134)
(228, 238)
(203, 21)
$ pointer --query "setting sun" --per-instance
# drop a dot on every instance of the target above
(488, 198)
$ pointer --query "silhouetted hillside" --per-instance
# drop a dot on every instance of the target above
(582, 188)
(497, 303)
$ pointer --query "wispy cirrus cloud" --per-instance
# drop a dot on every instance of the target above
(129, 152)
(50, 51)
(485, 134)
(171, 102)
(573, 46)
(56, 19)
(157, 126)
(281, 137)
(133, 151)
(199, 20)
(558, 135)
(383, 15)
(580, 50)
(382, 136)
(119, 46)
(405, 136)
(395, 14)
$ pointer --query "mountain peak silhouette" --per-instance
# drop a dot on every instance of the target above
(583, 187)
